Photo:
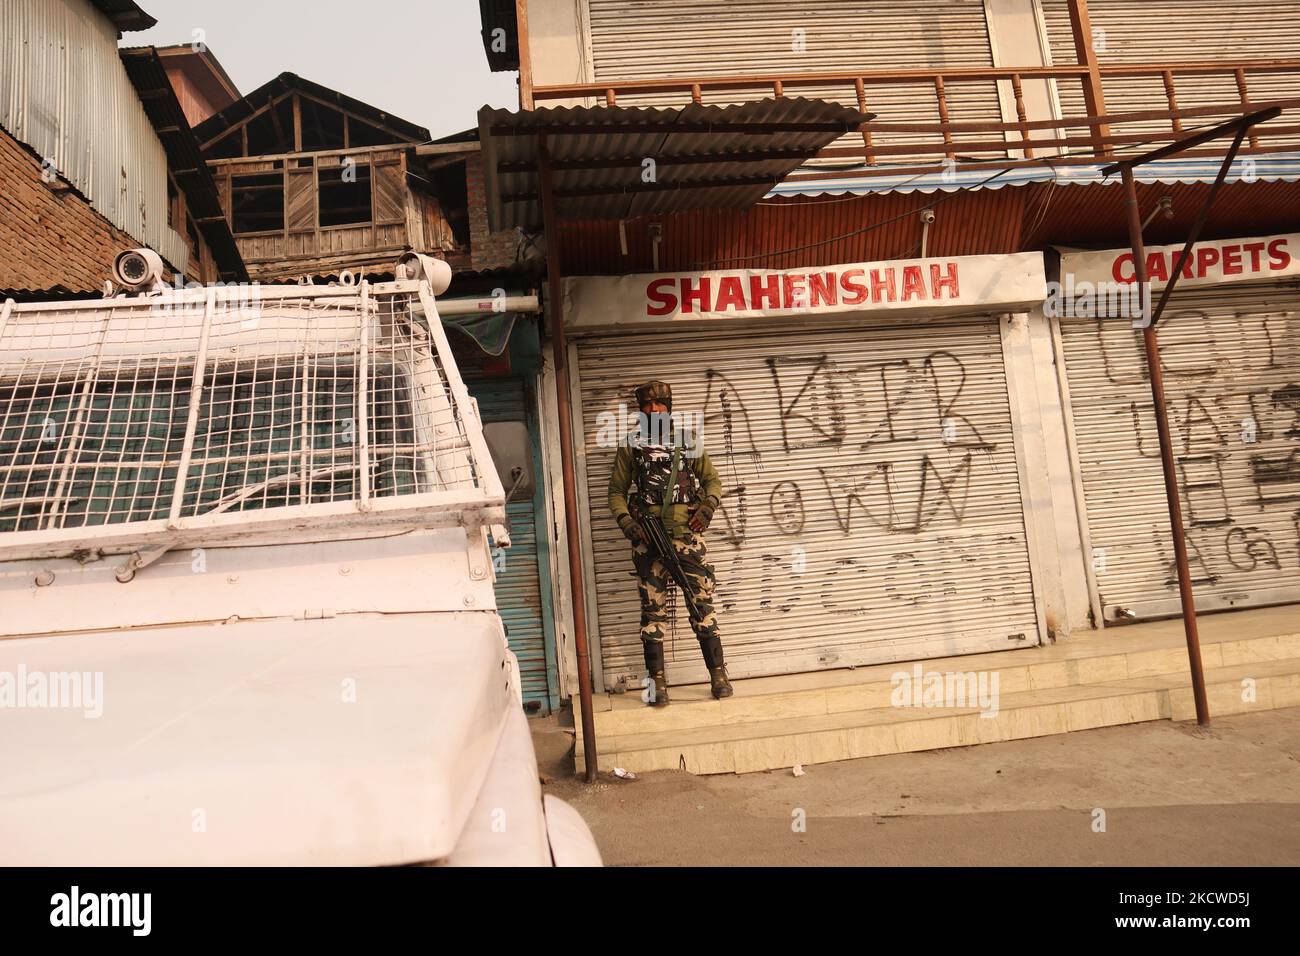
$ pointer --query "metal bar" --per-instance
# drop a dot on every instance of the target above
(1119, 119)
(555, 305)
(991, 145)
(1094, 95)
(741, 81)
(363, 410)
(758, 81)
(196, 399)
(483, 467)
(434, 509)
(1155, 373)
(1195, 232)
(1166, 453)
(1216, 132)
(74, 436)
(871, 172)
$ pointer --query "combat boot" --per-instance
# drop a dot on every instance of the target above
(654, 663)
(718, 682)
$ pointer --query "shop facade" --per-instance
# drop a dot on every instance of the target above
(867, 421)
(1230, 351)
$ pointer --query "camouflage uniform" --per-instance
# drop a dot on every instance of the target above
(654, 583)
(639, 485)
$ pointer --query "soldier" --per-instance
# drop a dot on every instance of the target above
(644, 468)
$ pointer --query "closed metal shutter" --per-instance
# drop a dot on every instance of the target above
(518, 579)
(872, 501)
(640, 39)
(1169, 31)
(1231, 363)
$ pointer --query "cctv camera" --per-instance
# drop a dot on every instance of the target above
(137, 268)
(417, 266)
(927, 216)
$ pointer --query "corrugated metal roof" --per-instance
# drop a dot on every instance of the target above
(719, 157)
(184, 158)
(502, 49)
(125, 14)
(1276, 167)
(793, 232)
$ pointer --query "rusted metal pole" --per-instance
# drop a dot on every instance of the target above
(555, 307)
(1166, 450)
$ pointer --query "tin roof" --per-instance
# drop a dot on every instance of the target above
(616, 162)
(125, 14)
(1274, 167)
(184, 158)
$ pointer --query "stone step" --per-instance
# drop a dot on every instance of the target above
(782, 740)
(1095, 660)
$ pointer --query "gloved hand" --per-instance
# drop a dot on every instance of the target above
(631, 530)
(703, 514)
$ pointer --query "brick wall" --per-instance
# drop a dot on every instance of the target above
(50, 237)
(489, 250)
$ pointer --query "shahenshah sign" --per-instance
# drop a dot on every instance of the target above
(954, 284)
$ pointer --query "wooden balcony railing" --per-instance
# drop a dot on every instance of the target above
(941, 119)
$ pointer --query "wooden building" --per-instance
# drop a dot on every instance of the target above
(314, 182)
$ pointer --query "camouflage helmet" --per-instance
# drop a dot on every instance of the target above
(654, 392)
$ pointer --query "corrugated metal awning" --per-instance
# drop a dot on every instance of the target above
(1283, 167)
(613, 162)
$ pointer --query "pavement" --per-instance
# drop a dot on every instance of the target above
(1154, 794)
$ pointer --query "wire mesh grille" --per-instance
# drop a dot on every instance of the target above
(242, 405)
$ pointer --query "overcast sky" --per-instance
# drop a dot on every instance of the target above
(421, 60)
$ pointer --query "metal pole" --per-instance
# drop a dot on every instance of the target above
(555, 306)
(1166, 450)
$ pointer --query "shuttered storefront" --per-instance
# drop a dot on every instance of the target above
(1231, 361)
(872, 507)
(635, 39)
(518, 575)
(1170, 31)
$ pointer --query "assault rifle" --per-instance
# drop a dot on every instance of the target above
(661, 546)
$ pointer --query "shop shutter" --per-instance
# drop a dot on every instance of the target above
(1172, 31)
(1231, 363)
(872, 503)
(639, 39)
(518, 579)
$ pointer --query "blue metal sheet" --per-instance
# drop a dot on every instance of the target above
(522, 584)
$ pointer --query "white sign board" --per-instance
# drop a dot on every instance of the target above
(955, 284)
(1210, 263)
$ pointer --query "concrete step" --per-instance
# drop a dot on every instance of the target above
(742, 746)
(832, 692)
(1100, 678)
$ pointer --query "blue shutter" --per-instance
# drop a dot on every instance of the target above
(523, 585)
